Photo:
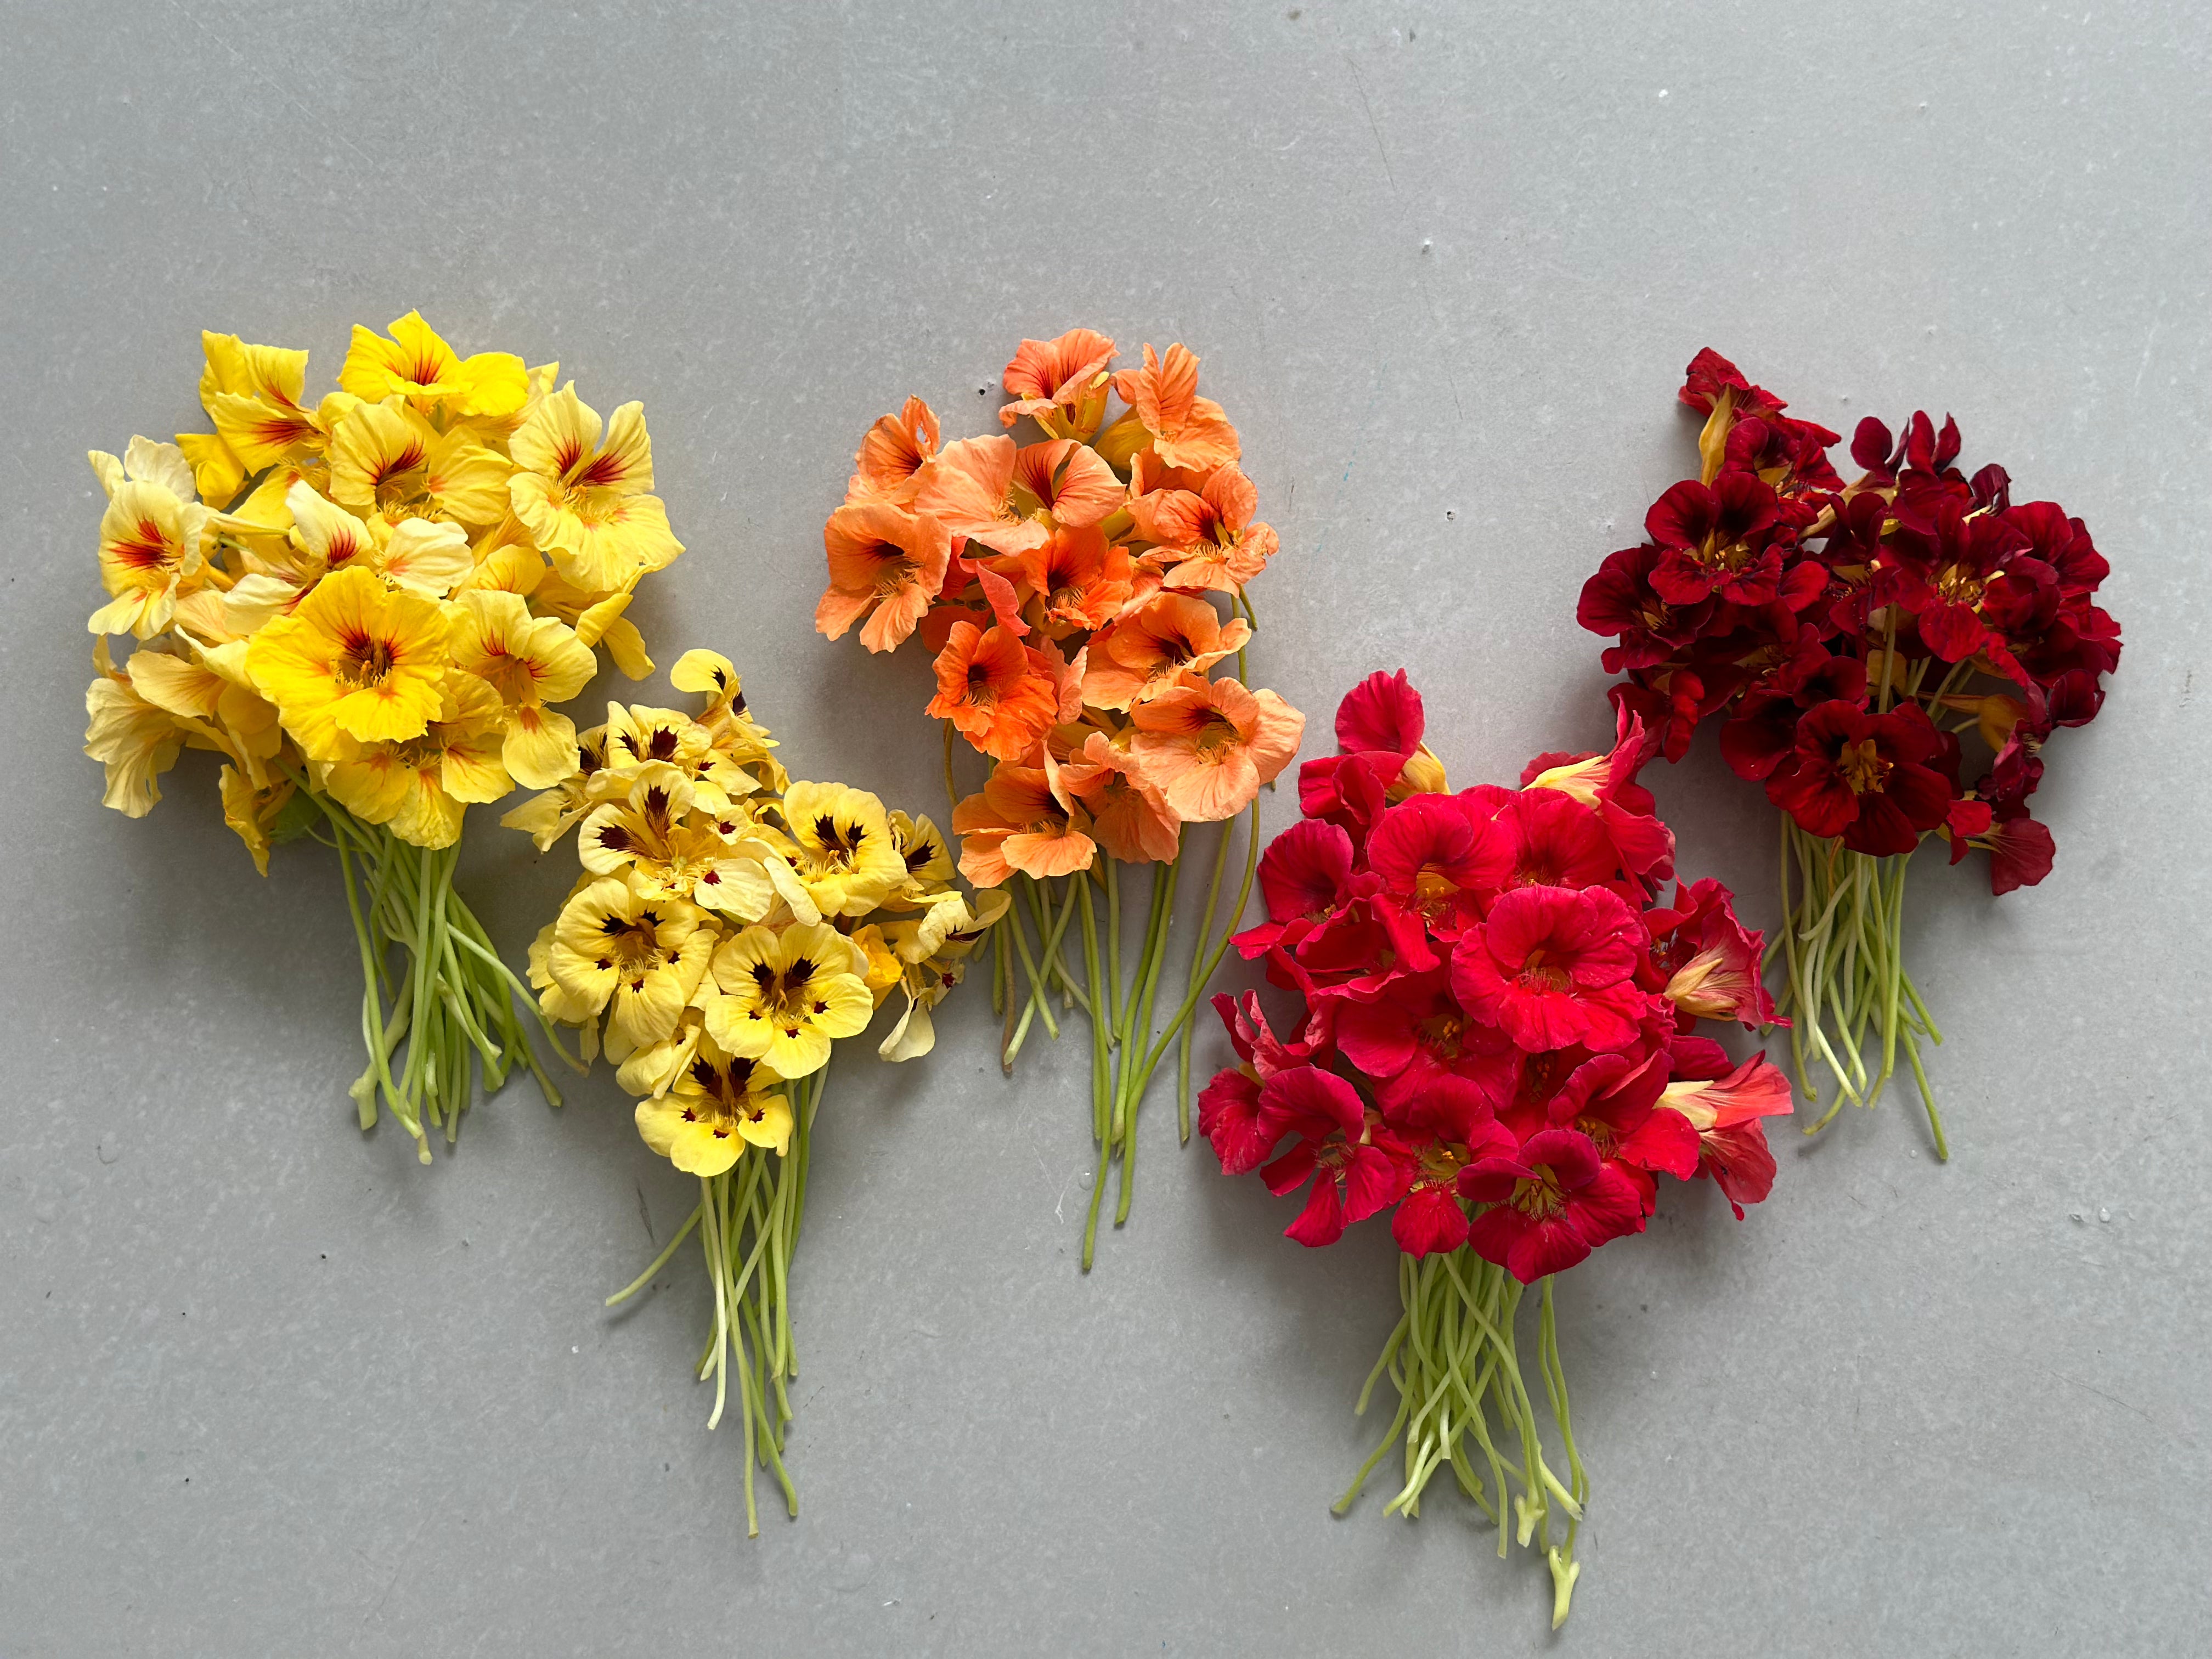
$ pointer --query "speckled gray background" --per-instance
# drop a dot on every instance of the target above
(267, 1388)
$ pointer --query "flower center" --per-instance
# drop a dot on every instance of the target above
(1539, 1197)
(365, 661)
(1538, 974)
(1960, 586)
(1863, 767)
(894, 570)
(1440, 1035)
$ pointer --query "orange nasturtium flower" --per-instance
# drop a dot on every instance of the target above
(1128, 815)
(888, 466)
(1182, 428)
(1084, 581)
(999, 693)
(1149, 651)
(1019, 823)
(884, 560)
(1208, 745)
(972, 491)
(1206, 540)
(1061, 382)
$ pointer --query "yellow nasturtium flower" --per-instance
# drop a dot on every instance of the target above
(529, 661)
(719, 1104)
(841, 847)
(645, 956)
(149, 537)
(134, 739)
(589, 506)
(387, 458)
(422, 786)
(786, 996)
(415, 363)
(354, 659)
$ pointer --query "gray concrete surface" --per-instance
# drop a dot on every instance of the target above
(267, 1388)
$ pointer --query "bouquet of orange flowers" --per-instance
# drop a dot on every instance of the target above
(729, 926)
(1072, 588)
(368, 607)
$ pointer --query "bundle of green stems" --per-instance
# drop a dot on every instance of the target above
(748, 1218)
(1119, 997)
(1843, 939)
(1453, 1360)
(452, 1000)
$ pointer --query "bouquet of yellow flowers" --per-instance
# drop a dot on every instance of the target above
(368, 607)
(729, 925)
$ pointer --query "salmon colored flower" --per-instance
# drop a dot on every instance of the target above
(1206, 540)
(1128, 815)
(1081, 580)
(1208, 745)
(1152, 650)
(1069, 480)
(970, 488)
(1018, 823)
(1061, 382)
(1000, 694)
(887, 465)
(885, 565)
(1184, 430)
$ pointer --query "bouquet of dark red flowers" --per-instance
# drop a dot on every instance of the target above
(1496, 1041)
(1848, 636)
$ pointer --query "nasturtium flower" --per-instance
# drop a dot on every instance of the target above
(928, 861)
(134, 739)
(150, 537)
(1551, 966)
(1151, 649)
(1061, 382)
(787, 995)
(529, 661)
(590, 504)
(1167, 415)
(1208, 745)
(1206, 540)
(885, 566)
(387, 458)
(971, 489)
(422, 785)
(415, 363)
(354, 659)
(887, 465)
(719, 1104)
(997, 691)
(645, 956)
(841, 847)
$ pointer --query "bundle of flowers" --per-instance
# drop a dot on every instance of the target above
(368, 607)
(1495, 1045)
(1847, 637)
(1068, 588)
(730, 925)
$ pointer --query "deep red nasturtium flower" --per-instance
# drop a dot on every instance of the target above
(1771, 588)
(1870, 779)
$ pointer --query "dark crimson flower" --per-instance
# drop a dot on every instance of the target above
(1791, 455)
(2021, 849)
(1549, 1204)
(1970, 554)
(1764, 731)
(1620, 601)
(1554, 965)
(1713, 542)
(2061, 541)
(1871, 779)
(1711, 377)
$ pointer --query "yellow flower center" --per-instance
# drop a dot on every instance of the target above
(1863, 767)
